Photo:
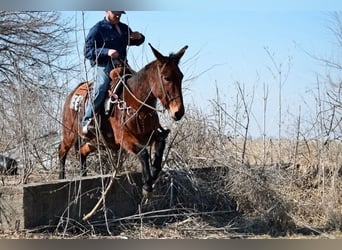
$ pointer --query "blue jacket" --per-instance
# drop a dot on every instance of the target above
(104, 36)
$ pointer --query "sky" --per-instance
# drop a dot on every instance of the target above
(234, 44)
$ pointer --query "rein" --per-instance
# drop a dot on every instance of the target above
(143, 103)
(122, 105)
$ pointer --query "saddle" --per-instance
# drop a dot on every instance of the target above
(80, 96)
(118, 78)
(119, 75)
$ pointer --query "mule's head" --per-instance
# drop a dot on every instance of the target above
(168, 85)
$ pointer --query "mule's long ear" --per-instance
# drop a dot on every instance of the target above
(181, 52)
(157, 54)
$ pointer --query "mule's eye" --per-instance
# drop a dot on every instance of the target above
(167, 78)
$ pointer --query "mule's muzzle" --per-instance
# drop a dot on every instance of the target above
(178, 115)
(176, 112)
(176, 109)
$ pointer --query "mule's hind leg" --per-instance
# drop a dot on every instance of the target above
(63, 150)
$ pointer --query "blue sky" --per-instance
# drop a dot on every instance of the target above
(229, 46)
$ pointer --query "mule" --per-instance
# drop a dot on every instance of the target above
(132, 122)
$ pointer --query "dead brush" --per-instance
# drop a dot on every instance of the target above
(208, 176)
(191, 192)
(256, 192)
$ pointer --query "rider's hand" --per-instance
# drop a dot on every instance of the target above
(113, 53)
(135, 35)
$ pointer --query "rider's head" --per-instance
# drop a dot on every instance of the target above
(113, 16)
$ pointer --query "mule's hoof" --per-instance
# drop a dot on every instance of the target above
(155, 180)
(146, 194)
(85, 139)
(147, 190)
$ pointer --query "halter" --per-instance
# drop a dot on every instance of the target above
(161, 83)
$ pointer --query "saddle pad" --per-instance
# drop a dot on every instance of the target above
(79, 95)
(76, 101)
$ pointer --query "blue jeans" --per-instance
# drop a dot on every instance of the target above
(99, 92)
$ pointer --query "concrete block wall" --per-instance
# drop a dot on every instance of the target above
(11, 212)
(39, 205)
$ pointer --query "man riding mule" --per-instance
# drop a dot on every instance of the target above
(132, 121)
(105, 47)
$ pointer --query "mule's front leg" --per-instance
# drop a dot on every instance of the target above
(146, 172)
(83, 165)
(158, 156)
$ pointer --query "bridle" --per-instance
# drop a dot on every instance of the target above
(167, 97)
(143, 103)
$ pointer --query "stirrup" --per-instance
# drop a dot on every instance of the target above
(88, 127)
(85, 129)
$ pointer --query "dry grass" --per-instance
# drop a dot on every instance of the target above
(278, 191)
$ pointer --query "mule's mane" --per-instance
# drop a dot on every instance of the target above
(144, 69)
(173, 58)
